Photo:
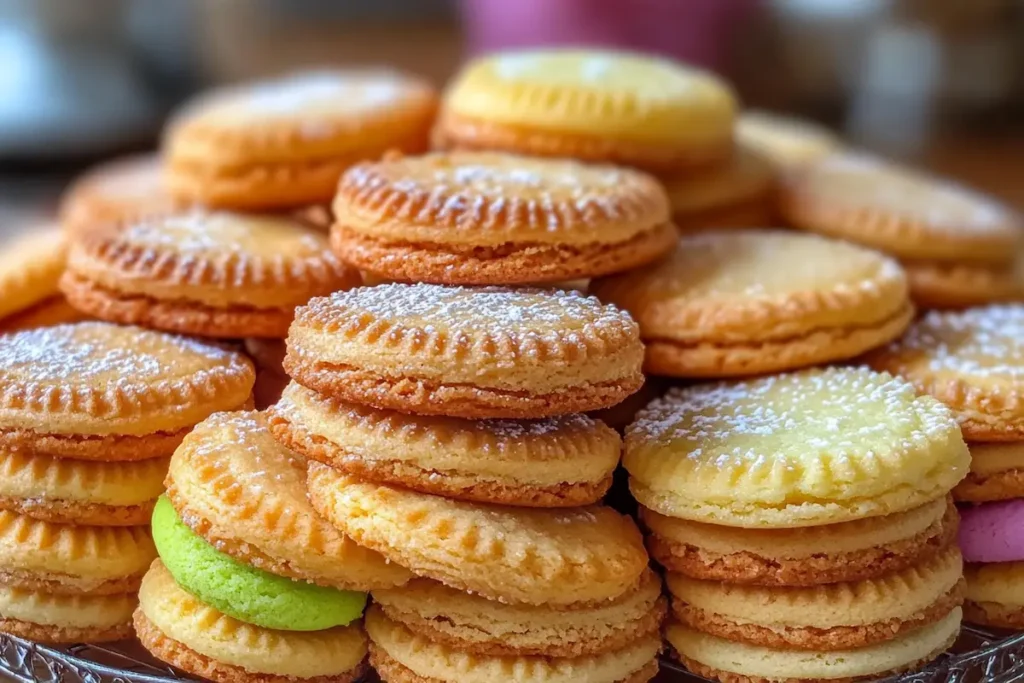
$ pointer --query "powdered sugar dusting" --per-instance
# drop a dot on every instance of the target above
(204, 233)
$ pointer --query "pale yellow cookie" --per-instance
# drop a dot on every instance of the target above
(30, 267)
(786, 142)
(997, 473)
(47, 618)
(801, 449)
(994, 596)
(745, 182)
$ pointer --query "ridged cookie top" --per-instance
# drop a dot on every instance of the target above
(237, 487)
(745, 177)
(489, 199)
(98, 379)
(813, 447)
(30, 267)
(552, 451)
(900, 595)
(62, 479)
(758, 285)
(594, 92)
(219, 259)
(543, 340)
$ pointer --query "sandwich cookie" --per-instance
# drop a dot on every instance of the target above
(66, 619)
(997, 473)
(493, 219)
(993, 547)
(208, 274)
(737, 193)
(958, 285)
(786, 143)
(802, 449)
(554, 462)
(593, 105)
(284, 143)
(30, 268)
(906, 213)
(735, 303)
(973, 361)
(472, 353)
(245, 495)
(537, 557)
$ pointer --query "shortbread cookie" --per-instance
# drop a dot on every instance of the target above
(182, 631)
(973, 361)
(994, 594)
(64, 559)
(556, 462)
(479, 218)
(725, 195)
(552, 557)
(474, 353)
(57, 619)
(787, 143)
(30, 267)
(210, 274)
(591, 105)
(284, 143)
(801, 449)
(52, 311)
(805, 556)
(80, 491)
(957, 285)
(735, 303)
(401, 656)
(732, 662)
(901, 211)
(245, 494)
(95, 391)
(115, 193)
(837, 616)
(997, 473)
(469, 623)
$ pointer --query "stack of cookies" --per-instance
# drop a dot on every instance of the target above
(805, 523)
(611, 107)
(444, 430)
(959, 248)
(973, 361)
(89, 414)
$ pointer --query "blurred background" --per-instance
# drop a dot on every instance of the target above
(937, 82)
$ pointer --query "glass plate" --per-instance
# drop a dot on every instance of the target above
(979, 656)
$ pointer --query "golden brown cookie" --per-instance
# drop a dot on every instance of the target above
(724, 196)
(994, 596)
(787, 143)
(235, 486)
(555, 462)
(96, 391)
(593, 105)
(997, 473)
(30, 267)
(531, 556)
(900, 211)
(402, 656)
(180, 630)
(209, 274)
(473, 353)
(284, 143)
(958, 285)
(46, 618)
(479, 218)
(735, 303)
(825, 618)
(973, 361)
(52, 311)
(804, 556)
(116, 192)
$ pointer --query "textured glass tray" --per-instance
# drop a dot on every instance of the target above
(978, 657)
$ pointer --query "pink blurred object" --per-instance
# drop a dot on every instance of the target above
(694, 31)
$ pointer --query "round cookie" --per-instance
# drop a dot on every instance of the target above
(973, 361)
(555, 462)
(401, 656)
(479, 218)
(80, 492)
(284, 143)
(473, 353)
(994, 596)
(787, 143)
(194, 637)
(209, 274)
(116, 192)
(738, 303)
(731, 662)
(997, 473)
(593, 105)
(59, 619)
(96, 391)
(65, 559)
(245, 494)
(837, 616)
(801, 449)
(241, 591)
(956, 285)
(531, 556)
(805, 556)
(30, 267)
(900, 211)
(470, 623)
(737, 193)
